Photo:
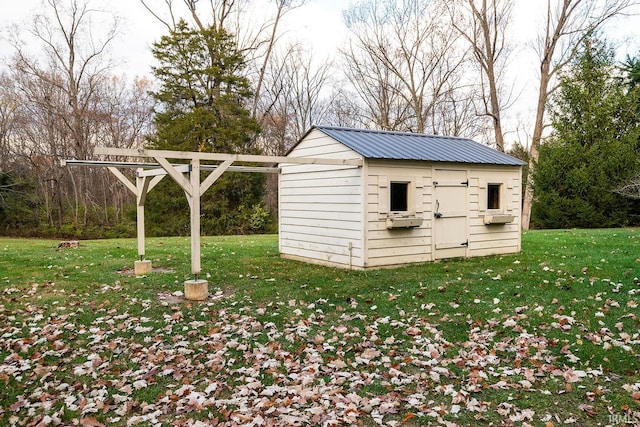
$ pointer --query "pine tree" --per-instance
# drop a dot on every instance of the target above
(592, 148)
(202, 98)
(631, 67)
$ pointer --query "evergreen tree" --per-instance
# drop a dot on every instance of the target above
(592, 149)
(631, 67)
(631, 76)
(202, 99)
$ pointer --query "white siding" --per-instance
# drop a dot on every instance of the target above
(320, 210)
(390, 247)
(395, 247)
(494, 238)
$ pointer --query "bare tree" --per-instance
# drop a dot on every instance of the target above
(282, 7)
(295, 96)
(567, 23)
(8, 113)
(294, 99)
(43, 139)
(343, 107)
(219, 11)
(124, 120)
(127, 112)
(379, 90)
(631, 189)
(74, 70)
(454, 113)
(400, 58)
(67, 101)
(308, 83)
(483, 24)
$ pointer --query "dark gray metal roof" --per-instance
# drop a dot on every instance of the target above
(376, 144)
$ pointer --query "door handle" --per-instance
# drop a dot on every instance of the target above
(437, 214)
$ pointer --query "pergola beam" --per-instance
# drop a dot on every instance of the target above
(149, 185)
(151, 169)
(213, 176)
(188, 155)
(123, 179)
(160, 171)
(194, 202)
(177, 176)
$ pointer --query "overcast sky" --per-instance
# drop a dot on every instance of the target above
(319, 26)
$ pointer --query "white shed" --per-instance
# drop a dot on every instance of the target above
(416, 198)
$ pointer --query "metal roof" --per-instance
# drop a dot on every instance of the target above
(376, 144)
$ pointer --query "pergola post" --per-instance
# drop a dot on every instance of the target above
(195, 218)
(140, 199)
(141, 266)
(196, 289)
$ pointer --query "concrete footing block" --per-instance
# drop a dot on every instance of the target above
(196, 290)
(142, 267)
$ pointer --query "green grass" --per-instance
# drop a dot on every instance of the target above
(550, 335)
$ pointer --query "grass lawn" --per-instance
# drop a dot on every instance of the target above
(547, 337)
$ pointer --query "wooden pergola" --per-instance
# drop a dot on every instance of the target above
(186, 173)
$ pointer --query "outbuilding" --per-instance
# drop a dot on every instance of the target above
(413, 198)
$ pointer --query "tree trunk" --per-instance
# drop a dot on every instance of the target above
(545, 77)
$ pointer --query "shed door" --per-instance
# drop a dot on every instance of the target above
(450, 213)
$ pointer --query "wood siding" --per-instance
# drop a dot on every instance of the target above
(320, 213)
(391, 247)
(495, 238)
(337, 215)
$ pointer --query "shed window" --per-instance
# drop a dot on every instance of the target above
(399, 196)
(493, 196)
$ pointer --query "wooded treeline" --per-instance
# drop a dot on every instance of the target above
(227, 79)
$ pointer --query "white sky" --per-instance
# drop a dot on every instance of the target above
(318, 25)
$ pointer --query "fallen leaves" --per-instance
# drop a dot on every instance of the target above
(293, 362)
(573, 376)
(90, 422)
(588, 409)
